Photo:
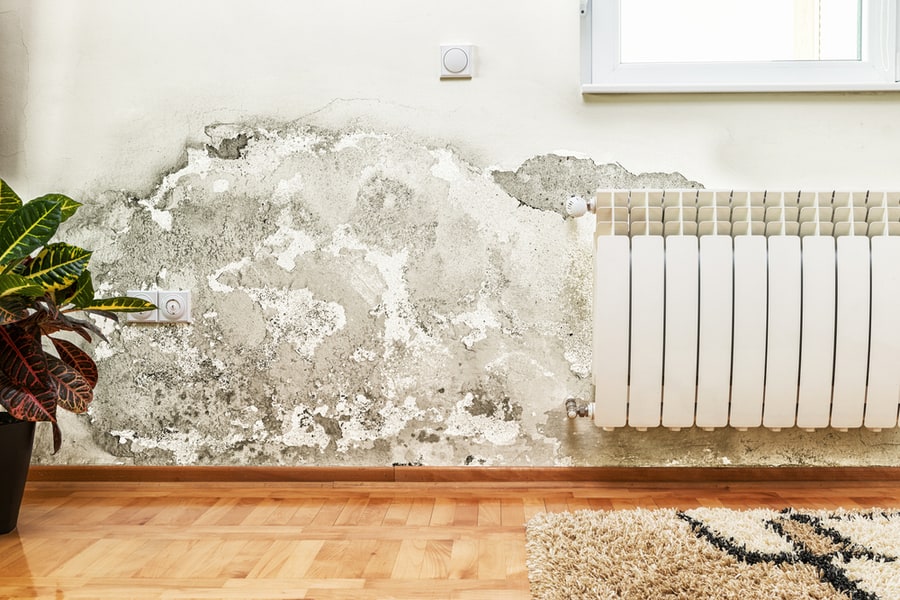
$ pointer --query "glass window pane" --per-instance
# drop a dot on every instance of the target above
(739, 30)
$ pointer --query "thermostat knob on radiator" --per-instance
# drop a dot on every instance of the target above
(576, 206)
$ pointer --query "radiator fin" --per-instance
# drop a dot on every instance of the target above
(717, 308)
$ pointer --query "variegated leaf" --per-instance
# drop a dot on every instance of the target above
(77, 358)
(9, 201)
(12, 309)
(26, 405)
(57, 437)
(12, 284)
(57, 321)
(73, 392)
(22, 358)
(57, 266)
(124, 304)
(67, 205)
(81, 293)
(28, 228)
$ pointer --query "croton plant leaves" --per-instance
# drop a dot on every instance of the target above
(41, 284)
(78, 359)
(28, 228)
(67, 205)
(22, 359)
(12, 309)
(125, 304)
(26, 391)
(73, 392)
(57, 266)
(13, 284)
(79, 294)
(62, 322)
(24, 405)
(9, 201)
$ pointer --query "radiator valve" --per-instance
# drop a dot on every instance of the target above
(577, 206)
(573, 410)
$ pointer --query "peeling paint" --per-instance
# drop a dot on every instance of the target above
(478, 321)
(296, 317)
(478, 427)
(287, 189)
(301, 429)
(367, 298)
(288, 243)
(546, 182)
(228, 148)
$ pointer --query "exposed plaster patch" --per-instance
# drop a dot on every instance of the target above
(288, 243)
(163, 218)
(579, 362)
(445, 168)
(362, 355)
(182, 354)
(104, 350)
(395, 307)
(184, 447)
(362, 421)
(352, 139)
(342, 238)
(479, 321)
(478, 427)
(399, 315)
(296, 317)
(269, 147)
(287, 189)
(213, 279)
(545, 182)
(198, 163)
(301, 429)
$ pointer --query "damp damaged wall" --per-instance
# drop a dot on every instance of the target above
(365, 298)
(358, 298)
(379, 265)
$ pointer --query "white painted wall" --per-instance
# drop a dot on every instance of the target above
(102, 94)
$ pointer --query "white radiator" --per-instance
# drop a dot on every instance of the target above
(746, 309)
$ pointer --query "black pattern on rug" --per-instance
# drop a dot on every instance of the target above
(715, 554)
(824, 562)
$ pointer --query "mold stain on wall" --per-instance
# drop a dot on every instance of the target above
(359, 298)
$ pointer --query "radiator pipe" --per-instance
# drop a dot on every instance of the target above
(573, 410)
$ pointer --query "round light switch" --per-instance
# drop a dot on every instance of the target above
(456, 60)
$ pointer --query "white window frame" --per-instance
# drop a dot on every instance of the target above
(603, 72)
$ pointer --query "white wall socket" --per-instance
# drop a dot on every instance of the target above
(148, 316)
(172, 307)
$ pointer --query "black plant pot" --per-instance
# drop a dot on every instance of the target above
(16, 440)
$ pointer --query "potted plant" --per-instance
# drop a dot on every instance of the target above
(43, 286)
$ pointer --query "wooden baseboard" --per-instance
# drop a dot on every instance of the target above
(525, 475)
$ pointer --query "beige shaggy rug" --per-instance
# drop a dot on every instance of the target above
(715, 553)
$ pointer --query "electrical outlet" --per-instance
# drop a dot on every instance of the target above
(148, 316)
(174, 307)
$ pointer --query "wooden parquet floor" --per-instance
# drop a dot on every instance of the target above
(101, 540)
